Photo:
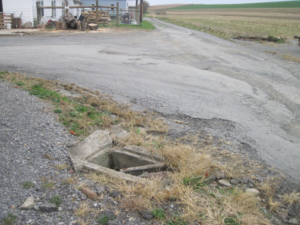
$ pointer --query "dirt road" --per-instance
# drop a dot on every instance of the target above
(235, 91)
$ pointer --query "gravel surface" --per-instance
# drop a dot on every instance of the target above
(32, 144)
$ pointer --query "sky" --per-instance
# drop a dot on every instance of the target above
(161, 2)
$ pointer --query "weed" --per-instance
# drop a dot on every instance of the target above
(275, 39)
(195, 182)
(57, 110)
(230, 221)
(28, 184)
(57, 200)
(48, 185)
(159, 213)
(10, 219)
(20, 84)
(177, 221)
(105, 219)
(43, 93)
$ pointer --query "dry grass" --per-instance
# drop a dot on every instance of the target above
(70, 181)
(291, 58)
(273, 205)
(83, 210)
(61, 166)
(291, 198)
(228, 23)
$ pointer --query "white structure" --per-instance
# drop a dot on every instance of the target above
(26, 9)
(19, 8)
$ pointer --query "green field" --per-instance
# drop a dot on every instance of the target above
(286, 4)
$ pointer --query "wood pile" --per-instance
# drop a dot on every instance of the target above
(5, 19)
(90, 17)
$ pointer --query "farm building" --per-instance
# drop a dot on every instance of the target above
(26, 9)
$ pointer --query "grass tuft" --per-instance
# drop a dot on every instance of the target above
(28, 184)
(158, 213)
(57, 200)
(10, 219)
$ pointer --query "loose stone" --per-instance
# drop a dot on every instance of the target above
(48, 207)
(253, 191)
(147, 215)
(225, 183)
(28, 204)
(234, 181)
(89, 193)
(293, 221)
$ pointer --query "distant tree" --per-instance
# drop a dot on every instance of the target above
(145, 6)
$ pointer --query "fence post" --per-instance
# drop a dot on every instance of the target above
(1, 27)
(38, 14)
(118, 14)
(141, 12)
(97, 12)
(67, 4)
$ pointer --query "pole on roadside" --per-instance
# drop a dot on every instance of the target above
(38, 13)
(141, 11)
(97, 12)
(118, 14)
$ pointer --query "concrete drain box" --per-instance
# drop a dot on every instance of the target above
(96, 153)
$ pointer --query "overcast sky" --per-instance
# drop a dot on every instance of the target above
(161, 2)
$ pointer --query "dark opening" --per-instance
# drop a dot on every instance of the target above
(1, 6)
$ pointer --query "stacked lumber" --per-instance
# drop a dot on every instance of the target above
(5, 19)
(90, 17)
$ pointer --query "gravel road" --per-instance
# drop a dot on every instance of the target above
(233, 90)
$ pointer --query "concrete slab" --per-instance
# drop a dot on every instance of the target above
(95, 148)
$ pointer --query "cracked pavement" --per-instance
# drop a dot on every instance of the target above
(232, 90)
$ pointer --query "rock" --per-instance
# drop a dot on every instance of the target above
(234, 181)
(110, 214)
(253, 191)
(99, 189)
(89, 193)
(147, 215)
(293, 221)
(49, 207)
(28, 204)
(212, 177)
(71, 171)
(250, 185)
(245, 180)
(225, 183)
(219, 175)
(115, 194)
(284, 214)
(27, 25)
